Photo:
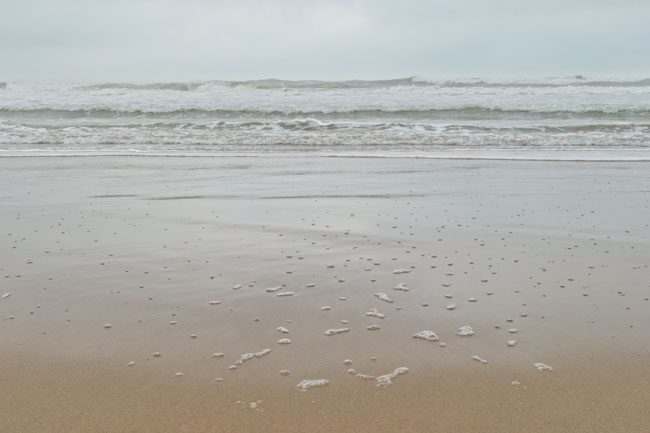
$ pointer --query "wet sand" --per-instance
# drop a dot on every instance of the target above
(119, 273)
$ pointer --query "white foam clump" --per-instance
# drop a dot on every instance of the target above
(465, 331)
(218, 355)
(246, 356)
(310, 285)
(236, 287)
(282, 330)
(373, 328)
(364, 376)
(401, 271)
(214, 302)
(285, 294)
(310, 383)
(451, 307)
(108, 326)
(401, 286)
(540, 366)
(6, 295)
(426, 335)
(273, 289)
(284, 341)
(384, 297)
(326, 308)
(387, 379)
(479, 359)
(511, 343)
(284, 372)
(336, 331)
(374, 313)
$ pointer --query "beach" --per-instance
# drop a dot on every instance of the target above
(197, 293)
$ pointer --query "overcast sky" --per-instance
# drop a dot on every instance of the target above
(179, 40)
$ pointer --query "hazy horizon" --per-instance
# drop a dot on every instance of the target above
(142, 40)
(433, 79)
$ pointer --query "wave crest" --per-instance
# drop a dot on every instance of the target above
(272, 83)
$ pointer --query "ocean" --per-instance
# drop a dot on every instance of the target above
(552, 118)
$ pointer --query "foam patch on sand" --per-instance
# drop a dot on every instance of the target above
(374, 313)
(426, 335)
(479, 359)
(336, 331)
(540, 366)
(306, 384)
(387, 379)
(465, 331)
(402, 287)
(384, 297)
(250, 355)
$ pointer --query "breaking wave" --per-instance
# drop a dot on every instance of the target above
(573, 112)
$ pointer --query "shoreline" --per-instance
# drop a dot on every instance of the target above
(596, 156)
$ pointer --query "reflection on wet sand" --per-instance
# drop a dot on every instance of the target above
(514, 294)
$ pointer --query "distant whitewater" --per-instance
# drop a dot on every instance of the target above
(398, 117)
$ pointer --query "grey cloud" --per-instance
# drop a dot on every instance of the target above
(182, 40)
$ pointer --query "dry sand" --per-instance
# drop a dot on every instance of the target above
(119, 273)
